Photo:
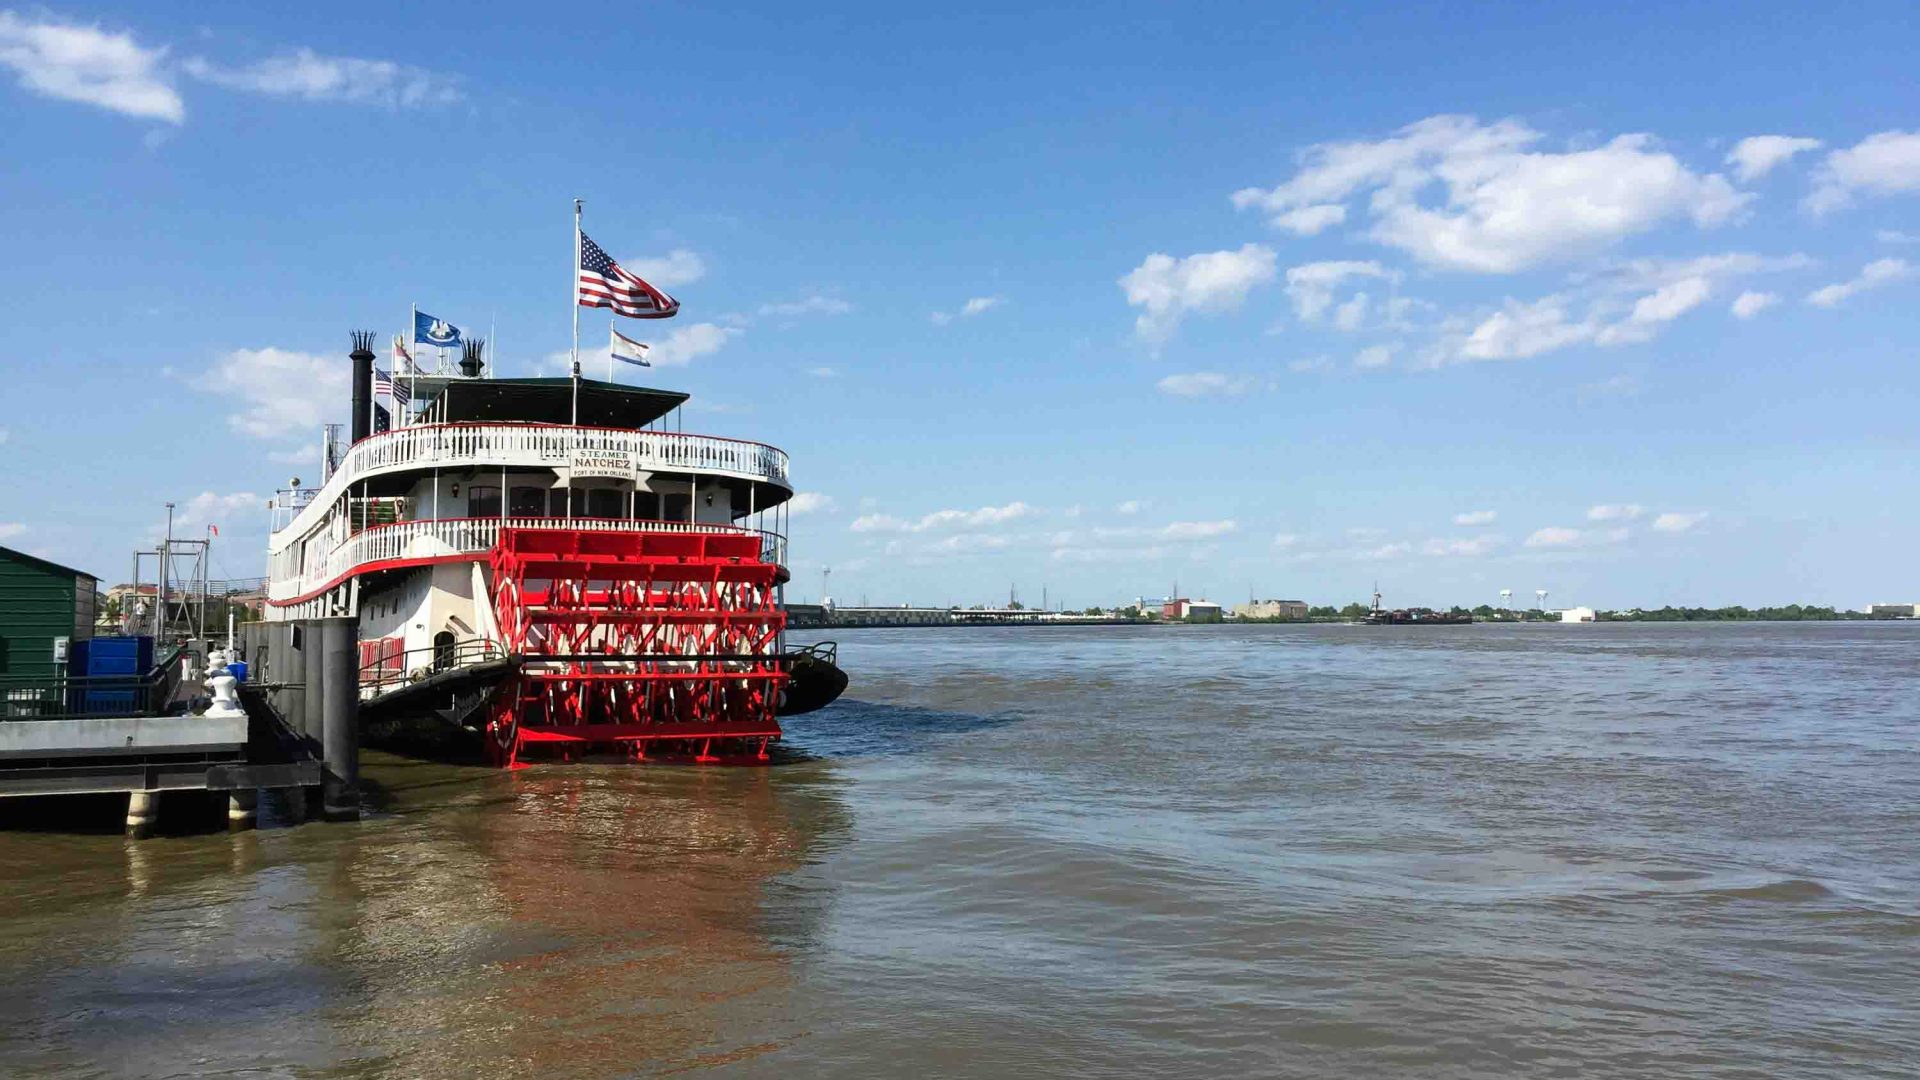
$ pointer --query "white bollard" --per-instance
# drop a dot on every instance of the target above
(226, 701)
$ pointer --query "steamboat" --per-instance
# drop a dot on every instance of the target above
(539, 563)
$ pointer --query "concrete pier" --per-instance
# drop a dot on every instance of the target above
(340, 739)
(143, 813)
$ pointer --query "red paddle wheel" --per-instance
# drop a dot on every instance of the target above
(649, 643)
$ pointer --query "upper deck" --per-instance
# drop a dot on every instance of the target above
(517, 445)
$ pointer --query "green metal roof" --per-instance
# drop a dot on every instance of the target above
(44, 564)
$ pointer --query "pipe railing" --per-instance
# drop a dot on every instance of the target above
(446, 538)
(523, 446)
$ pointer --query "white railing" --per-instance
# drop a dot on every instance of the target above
(409, 541)
(529, 445)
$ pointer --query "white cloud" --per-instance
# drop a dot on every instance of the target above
(1756, 156)
(5, 434)
(309, 76)
(1311, 286)
(1663, 305)
(1475, 517)
(1506, 207)
(1874, 274)
(241, 510)
(972, 307)
(809, 502)
(811, 305)
(1285, 540)
(1393, 550)
(1167, 289)
(1474, 546)
(1553, 536)
(1131, 506)
(1198, 530)
(74, 62)
(1374, 356)
(1350, 315)
(689, 343)
(676, 267)
(11, 529)
(1750, 303)
(1311, 220)
(1884, 164)
(279, 393)
(1205, 384)
(1522, 330)
(824, 372)
(1311, 363)
(1895, 236)
(1615, 512)
(983, 517)
(1676, 522)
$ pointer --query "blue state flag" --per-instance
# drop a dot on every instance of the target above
(428, 330)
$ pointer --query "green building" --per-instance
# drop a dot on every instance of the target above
(44, 608)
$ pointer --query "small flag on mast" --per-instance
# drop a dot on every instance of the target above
(402, 359)
(384, 383)
(604, 284)
(625, 348)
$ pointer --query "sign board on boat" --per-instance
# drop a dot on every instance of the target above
(602, 464)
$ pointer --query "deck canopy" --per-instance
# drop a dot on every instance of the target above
(550, 401)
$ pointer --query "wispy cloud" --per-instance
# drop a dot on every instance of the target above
(85, 63)
(1873, 275)
(677, 267)
(1678, 522)
(1475, 517)
(310, 76)
(809, 502)
(1205, 384)
(1615, 512)
(278, 393)
(808, 305)
(982, 517)
(975, 306)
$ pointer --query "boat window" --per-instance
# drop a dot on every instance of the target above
(647, 505)
(557, 502)
(483, 502)
(606, 503)
(673, 507)
(529, 502)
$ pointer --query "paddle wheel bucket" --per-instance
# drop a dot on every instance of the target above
(650, 644)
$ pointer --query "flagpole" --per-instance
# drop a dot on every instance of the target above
(411, 366)
(573, 297)
(610, 377)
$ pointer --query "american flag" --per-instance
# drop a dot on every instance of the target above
(384, 383)
(604, 284)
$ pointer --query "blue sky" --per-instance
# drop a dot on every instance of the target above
(1617, 304)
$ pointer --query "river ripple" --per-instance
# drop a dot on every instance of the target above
(1612, 850)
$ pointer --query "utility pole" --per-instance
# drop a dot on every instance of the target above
(160, 593)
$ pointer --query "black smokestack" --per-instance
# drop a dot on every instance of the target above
(471, 362)
(362, 357)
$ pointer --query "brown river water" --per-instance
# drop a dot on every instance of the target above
(1598, 851)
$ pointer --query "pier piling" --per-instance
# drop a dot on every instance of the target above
(339, 656)
(242, 809)
(143, 812)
